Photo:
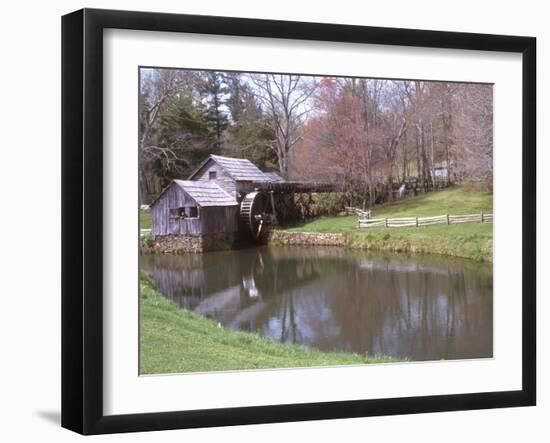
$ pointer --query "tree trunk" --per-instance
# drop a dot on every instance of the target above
(446, 137)
(143, 185)
(426, 176)
(419, 167)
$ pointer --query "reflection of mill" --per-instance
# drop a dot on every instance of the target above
(282, 277)
(332, 301)
(267, 278)
(243, 295)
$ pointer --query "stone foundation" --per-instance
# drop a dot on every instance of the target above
(182, 244)
(306, 238)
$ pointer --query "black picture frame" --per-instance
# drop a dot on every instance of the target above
(82, 215)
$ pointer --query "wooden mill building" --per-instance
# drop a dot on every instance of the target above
(224, 200)
(192, 208)
(236, 176)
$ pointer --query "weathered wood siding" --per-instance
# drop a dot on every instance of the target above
(220, 219)
(244, 187)
(211, 220)
(223, 179)
(173, 197)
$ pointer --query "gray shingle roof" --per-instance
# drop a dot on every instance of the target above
(274, 177)
(206, 193)
(240, 168)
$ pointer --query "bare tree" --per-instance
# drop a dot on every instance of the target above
(285, 100)
(474, 137)
(395, 129)
(157, 87)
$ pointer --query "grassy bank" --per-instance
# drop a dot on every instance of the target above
(473, 241)
(144, 220)
(176, 340)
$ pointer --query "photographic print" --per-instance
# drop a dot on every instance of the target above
(235, 220)
(293, 221)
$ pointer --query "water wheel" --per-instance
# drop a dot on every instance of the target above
(257, 214)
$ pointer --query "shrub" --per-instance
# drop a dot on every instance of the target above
(331, 203)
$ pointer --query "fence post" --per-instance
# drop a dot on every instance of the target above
(386, 222)
(482, 220)
(448, 221)
(417, 221)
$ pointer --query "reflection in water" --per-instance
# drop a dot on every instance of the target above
(423, 308)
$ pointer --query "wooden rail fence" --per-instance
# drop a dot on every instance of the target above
(361, 213)
(403, 222)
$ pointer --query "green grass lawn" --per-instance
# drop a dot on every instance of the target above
(176, 340)
(144, 220)
(462, 240)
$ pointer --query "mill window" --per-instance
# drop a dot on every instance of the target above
(192, 211)
(185, 212)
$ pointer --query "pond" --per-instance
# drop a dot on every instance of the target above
(333, 299)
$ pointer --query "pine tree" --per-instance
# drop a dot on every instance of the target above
(250, 131)
(183, 131)
(213, 91)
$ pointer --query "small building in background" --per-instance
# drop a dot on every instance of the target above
(441, 171)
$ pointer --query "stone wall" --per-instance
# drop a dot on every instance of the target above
(181, 244)
(307, 238)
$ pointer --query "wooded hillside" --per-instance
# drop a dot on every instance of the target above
(363, 134)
